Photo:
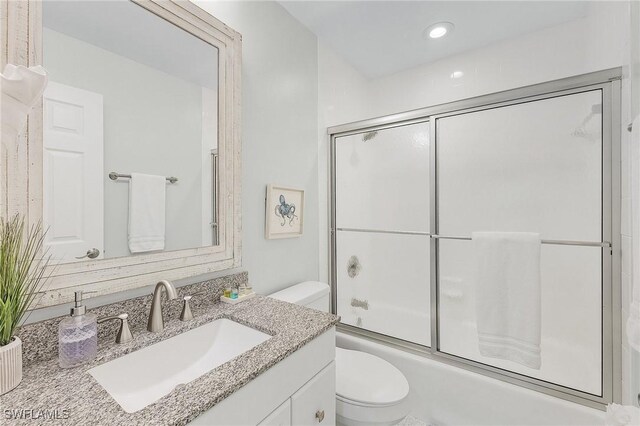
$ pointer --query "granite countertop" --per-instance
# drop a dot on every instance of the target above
(76, 398)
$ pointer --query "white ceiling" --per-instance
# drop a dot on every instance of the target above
(128, 30)
(383, 37)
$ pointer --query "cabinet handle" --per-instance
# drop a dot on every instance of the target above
(320, 415)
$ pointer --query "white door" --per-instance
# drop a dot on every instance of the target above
(73, 173)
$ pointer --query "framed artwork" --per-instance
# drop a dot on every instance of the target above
(284, 212)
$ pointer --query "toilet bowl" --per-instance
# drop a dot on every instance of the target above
(369, 390)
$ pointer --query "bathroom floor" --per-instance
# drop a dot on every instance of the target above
(411, 421)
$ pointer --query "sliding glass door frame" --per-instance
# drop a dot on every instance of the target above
(608, 82)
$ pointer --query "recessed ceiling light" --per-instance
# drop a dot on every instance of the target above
(457, 74)
(438, 30)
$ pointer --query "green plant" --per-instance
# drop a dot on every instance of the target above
(22, 272)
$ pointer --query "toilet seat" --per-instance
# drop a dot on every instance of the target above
(366, 380)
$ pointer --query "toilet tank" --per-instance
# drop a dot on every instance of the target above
(312, 294)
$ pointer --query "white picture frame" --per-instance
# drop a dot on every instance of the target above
(284, 212)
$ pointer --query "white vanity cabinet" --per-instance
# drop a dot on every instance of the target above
(299, 390)
(313, 404)
(281, 416)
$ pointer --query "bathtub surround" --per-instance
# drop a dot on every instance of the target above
(47, 387)
(442, 394)
(598, 41)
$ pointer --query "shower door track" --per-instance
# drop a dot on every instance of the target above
(608, 81)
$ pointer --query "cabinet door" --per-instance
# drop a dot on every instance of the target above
(281, 416)
(315, 402)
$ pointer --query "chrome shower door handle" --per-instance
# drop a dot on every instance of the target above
(92, 253)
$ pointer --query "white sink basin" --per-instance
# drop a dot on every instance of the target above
(142, 377)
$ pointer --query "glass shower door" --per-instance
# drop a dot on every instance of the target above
(528, 167)
(382, 224)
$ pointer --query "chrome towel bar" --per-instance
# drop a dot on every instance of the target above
(443, 237)
(381, 231)
(115, 176)
(555, 242)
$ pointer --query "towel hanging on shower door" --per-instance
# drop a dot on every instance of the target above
(508, 311)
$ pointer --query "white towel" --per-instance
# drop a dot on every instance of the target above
(21, 89)
(633, 321)
(507, 268)
(146, 212)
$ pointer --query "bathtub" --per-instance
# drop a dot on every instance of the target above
(445, 395)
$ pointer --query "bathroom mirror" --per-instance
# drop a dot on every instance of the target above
(128, 93)
(136, 143)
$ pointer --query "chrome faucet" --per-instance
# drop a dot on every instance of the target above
(124, 333)
(156, 323)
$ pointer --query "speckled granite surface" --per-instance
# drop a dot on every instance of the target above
(40, 340)
(47, 387)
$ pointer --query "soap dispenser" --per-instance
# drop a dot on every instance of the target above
(77, 336)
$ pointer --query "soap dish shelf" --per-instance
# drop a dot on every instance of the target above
(238, 300)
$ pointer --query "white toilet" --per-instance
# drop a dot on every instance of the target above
(369, 390)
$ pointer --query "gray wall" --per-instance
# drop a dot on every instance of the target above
(279, 135)
(279, 141)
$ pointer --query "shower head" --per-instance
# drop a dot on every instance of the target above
(368, 136)
(581, 131)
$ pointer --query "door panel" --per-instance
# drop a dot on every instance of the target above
(535, 167)
(529, 167)
(383, 284)
(571, 302)
(382, 179)
(73, 172)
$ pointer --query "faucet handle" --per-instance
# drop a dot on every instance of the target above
(124, 333)
(186, 314)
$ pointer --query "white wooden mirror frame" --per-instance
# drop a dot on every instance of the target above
(21, 178)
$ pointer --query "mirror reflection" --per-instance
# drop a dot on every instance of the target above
(130, 132)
